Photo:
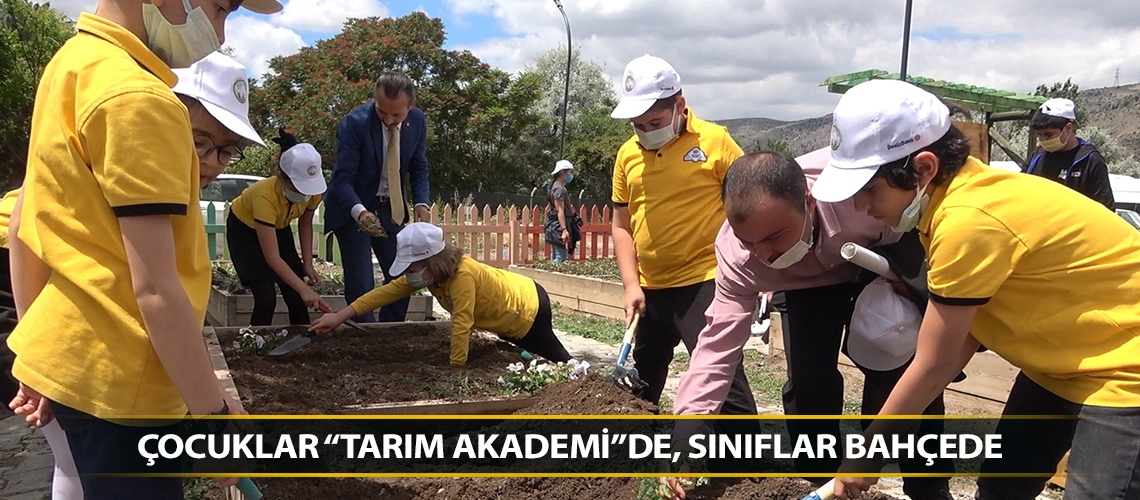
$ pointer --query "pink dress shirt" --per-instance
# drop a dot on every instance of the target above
(740, 277)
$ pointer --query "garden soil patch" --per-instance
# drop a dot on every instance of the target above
(409, 362)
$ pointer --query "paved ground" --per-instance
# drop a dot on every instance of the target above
(25, 462)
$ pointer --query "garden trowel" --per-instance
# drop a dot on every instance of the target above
(623, 377)
(303, 340)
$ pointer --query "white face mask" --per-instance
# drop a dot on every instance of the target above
(180, 46)
(295, 197)
(417, 280)
(657, 139)
(798, 251)
(910, 215)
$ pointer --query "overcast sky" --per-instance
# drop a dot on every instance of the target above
(752, 58)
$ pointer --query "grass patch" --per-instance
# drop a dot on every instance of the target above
(599, 328)
(606, 269)
(202, 488)
(766, 379)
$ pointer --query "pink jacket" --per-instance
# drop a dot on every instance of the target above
(740, 277)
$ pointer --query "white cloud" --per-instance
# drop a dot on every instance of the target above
(326, 15)
(72, 8)
(255, 42)
(742, 58)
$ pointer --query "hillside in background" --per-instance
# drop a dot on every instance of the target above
(1115, 110)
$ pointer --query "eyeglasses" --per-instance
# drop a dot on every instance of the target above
(227, 155)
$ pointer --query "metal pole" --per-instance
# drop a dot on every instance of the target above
(906, 41)
(566, 92)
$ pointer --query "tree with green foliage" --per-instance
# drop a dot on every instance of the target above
(477, 115)
(592, 137)
(30, 34)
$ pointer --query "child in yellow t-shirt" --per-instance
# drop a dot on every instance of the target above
(260, 238)
(477, 295)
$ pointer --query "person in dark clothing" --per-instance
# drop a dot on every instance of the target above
(562, 232)
(1066, 158)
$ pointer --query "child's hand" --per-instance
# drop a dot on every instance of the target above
(326, 323)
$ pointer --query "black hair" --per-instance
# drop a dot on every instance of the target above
(285, 140)
(767, 173)
(1041, 121)
(392, 83)
(664, 103)
(952, 150)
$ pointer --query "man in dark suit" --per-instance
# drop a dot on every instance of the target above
(367, 202)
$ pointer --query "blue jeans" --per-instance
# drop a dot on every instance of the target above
(559, 253)
(356, 249)
(1104, 463)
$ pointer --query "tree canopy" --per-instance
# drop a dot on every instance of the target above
(30, 33)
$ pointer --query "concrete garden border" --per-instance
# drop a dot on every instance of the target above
(579, 293)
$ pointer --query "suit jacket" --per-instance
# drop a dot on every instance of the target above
(360, 162)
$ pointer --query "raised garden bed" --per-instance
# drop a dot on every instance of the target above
(394, 366)
(346, 368)
(579, 293)
(231, 304)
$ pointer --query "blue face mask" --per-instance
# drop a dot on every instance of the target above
(417, 280)
(569, 177)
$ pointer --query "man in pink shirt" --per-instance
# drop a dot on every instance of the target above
(778, 238)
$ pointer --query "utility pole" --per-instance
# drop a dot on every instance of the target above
(566, 92)
(906, 41)
(1116, 81)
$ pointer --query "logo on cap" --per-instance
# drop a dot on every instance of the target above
(629, 84)
(241, 90)
(836, 138)
(312, 171)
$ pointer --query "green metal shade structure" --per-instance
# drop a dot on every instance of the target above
(971, 97)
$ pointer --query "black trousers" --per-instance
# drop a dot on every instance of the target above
(262, 281)
(674, 315)
(814, 321)
(540, 339)
(1104, 462)
(100, 447)
(8, 384)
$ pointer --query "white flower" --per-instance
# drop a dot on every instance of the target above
(283, 333)
(516, 367)
(237, 345)
(543, 368)
(502, 381)
(260, 341)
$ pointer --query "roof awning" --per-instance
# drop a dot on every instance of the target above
(968, 96)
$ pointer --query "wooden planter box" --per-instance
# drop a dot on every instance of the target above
(225, 309)
(579, 293)
(496, 406)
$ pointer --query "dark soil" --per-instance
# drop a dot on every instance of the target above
(592, 395)
(409, 362)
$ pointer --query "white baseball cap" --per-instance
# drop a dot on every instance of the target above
(875, 123)
(262, 6)
(562, 165)
(219, 83)
(884, 328)
(1063, 108)
(646, 79)
(416, 242)
(302, 163)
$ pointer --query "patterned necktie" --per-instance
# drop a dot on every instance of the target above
(392, 166)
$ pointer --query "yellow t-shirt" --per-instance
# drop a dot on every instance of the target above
(1056, 276)
(478, 296)
(6, 205)
(109, 139)
(264, 203)
(673, 196)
